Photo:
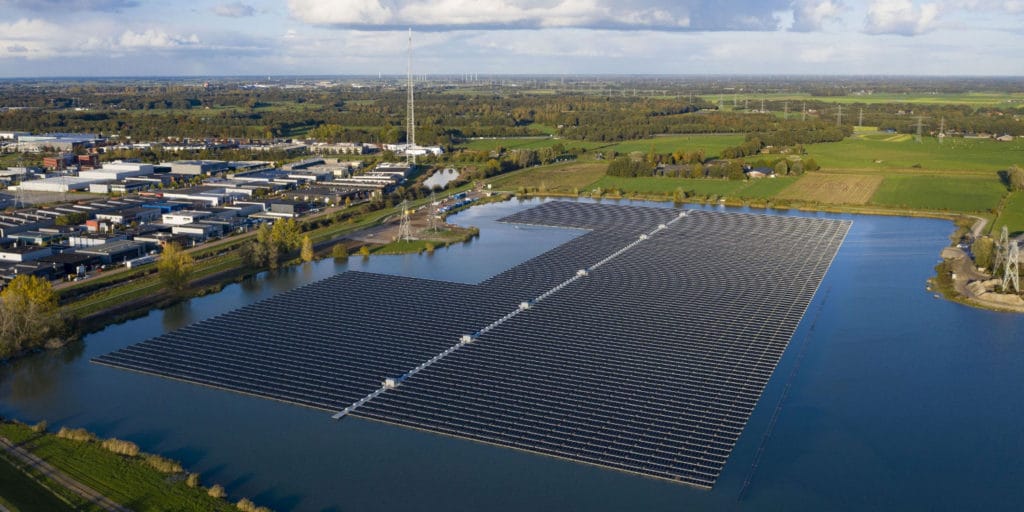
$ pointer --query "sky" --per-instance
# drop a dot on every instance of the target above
(40, 38)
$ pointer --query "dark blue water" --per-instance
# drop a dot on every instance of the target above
(893, 401)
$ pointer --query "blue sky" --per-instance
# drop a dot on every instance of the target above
(252, 37)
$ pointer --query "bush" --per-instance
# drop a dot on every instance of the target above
(192, 480)
(121, 447)
(40, 427)
(364, 251)
(339, 251)
(217, 491)
(246, 505)
(76, 434)
(163, 465)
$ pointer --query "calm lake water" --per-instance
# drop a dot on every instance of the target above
(441, 178)
(890, 400)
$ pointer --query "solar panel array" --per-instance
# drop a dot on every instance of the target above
(652, 363)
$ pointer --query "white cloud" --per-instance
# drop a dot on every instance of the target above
(41, 39)
(234, 10)
(155, 39)
(811, 15)
(28, 38)
(62, 6)
(529, 14)
(340, 12)
(900, 17)
(1014, 6)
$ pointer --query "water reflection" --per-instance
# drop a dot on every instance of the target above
(441, 178)
(38, 377)
(178, 315)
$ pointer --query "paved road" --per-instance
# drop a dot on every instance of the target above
(60, 477)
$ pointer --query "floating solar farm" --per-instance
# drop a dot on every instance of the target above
(642, 345)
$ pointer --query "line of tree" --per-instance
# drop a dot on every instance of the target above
(271, 242)
(446, 115)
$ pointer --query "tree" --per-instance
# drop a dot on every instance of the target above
(286, 235)
(339, 251)
(735, 171)
(271, 243)
(1016, 176)
(71, 219)
(307, 249)
(782, 168)
(796, 168)
(174, 268)
(678, 196)
(982, 249)
(29, 315)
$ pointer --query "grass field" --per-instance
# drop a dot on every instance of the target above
(667, 186)
(1012, 215)
(126, 480)
(976, 99)
(563, 178)
(527, 143)
(901, 151)
(712, 144)
(833, 189)
(20, 493)
(764, 188)
(956, 193)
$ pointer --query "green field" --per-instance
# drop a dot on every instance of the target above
(561, 178)
(896, 151)
(125, 480)
(712, 144)
(764, 188)
(1012, 215)
(666, 186)
(975, 99)
(955, 193)
(21, 493)
(526, 143)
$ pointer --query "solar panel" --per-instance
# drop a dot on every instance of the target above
(641, 346)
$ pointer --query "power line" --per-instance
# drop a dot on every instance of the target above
(405, 227)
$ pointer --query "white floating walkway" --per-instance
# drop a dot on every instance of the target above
(466, 339)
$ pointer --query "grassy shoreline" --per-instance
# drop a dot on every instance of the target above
(115, 469)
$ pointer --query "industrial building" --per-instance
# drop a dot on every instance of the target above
(22, 253)
(117, 171)
(196, 167)
(116, 252)
(58, 184)
(66, 142)
(180, 218)
(213, 196)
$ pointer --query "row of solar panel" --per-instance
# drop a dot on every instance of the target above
(649, 365)
(600, 360)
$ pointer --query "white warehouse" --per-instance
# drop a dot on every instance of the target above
(117, 171)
